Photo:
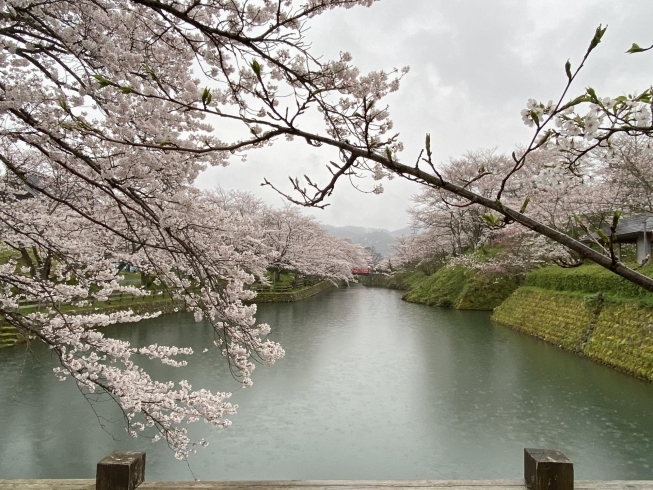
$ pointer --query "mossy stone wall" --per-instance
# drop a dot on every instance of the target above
(461, 288)
(623, 337)
(10, 336)
(618, 333)
(376, 280)
(486, 292)
(559, 318)
(590, 278)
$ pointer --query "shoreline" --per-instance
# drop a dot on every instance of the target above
(10, 336)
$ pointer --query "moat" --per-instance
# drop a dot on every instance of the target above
(371, 388)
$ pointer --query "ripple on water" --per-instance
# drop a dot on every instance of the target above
(371, 388)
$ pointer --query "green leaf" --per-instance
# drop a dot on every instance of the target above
(257, 69)
(150, 71)
(615, 218)
(102, 82)
(578, 100)
(206, 96)
(545, 137)
(568, 69)
(535, 118)
(83, 124)
(388, 153)
(62, 103)
(523, 206)
(592, 94)
(598, 34)
(126, 90)
(635, 48)
(491, 219)
(603, 236)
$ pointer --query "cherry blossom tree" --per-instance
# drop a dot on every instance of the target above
(301, 245)
(455, 224)
(126, 102)
(628, 164)
(555, 198)
(375, 257)
(204, 249)
(295, 242)
(571, 129)
(111, 108)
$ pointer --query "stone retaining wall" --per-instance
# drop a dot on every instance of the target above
(280, 297)
(617, 333)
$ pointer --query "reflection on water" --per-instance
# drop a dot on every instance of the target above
(370, 388)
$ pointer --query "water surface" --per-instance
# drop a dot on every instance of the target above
(370, 388)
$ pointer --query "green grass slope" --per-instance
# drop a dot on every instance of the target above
(461, 288)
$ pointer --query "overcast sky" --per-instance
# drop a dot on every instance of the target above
(474, 64)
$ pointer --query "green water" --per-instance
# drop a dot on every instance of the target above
(370, 388)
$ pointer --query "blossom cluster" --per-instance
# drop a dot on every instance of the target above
(109, 111)
(589, 121)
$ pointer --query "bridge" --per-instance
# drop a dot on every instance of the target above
(361, 271)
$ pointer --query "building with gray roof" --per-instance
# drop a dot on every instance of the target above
(636, 229)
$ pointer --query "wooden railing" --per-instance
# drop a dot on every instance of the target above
(544, 469)
(117, 297)
(277, 288)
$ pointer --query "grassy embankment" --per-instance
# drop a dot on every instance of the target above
(457, 287)
(587, 310)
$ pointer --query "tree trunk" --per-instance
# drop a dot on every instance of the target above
(46, 267)
(146, 280)
(28, 261)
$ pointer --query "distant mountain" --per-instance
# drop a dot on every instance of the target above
(381, 240)
(403, 231)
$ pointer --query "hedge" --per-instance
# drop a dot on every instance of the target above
(589, 279)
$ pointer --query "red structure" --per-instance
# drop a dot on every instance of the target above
(363, 271)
